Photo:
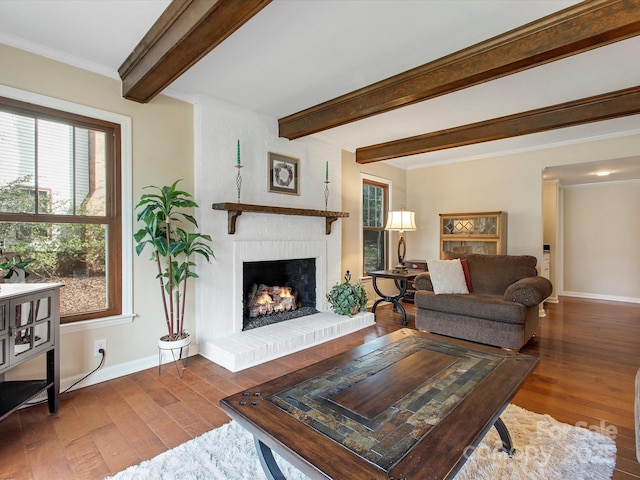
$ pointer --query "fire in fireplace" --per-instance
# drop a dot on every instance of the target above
(264, 300)
(278, 290)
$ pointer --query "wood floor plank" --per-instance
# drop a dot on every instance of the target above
(139, 399)
(130, 424)
(14, 458)
(116, 450)
(89, 408)
(67, 423)
(156, 390)
(202, 410)
(47, 459)
(168, 432)
(35, 424)
(84, 459)
(589, 353)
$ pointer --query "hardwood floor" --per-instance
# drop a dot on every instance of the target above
(589, 351)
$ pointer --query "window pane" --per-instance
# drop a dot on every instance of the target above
(372, 205)
(72, 254)
(17, 154)
(70, 161)
(374, 249)
(55, 163)
(59, 163)
(90, 176)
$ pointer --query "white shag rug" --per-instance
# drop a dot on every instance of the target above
(545, 449)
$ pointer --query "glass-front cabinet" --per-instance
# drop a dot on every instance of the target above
(32, 327)
(479, 232)
(4, 334)
(29, 327)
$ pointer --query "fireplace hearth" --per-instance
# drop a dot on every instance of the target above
(234, 348)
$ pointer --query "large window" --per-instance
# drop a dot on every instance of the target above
(60, 204)
(374, 211)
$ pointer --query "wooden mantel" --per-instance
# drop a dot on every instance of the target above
(234, 210)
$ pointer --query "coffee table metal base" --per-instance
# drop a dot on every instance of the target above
(273, 472)
(269, 465)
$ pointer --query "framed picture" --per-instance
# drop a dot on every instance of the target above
(284, 174)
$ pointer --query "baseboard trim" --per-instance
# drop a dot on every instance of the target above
(119, 370)
(596, 296)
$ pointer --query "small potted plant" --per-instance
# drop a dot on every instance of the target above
(14, 269)
(347, 298)
(173, 250)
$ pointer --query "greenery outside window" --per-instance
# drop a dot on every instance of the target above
(375, 238)
(60, 203)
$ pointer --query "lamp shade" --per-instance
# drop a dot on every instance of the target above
(401, 220)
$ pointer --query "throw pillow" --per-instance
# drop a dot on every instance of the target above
(467, 275)
(447, 276)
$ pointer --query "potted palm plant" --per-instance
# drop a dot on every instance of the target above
(173, 249)
(15, 268)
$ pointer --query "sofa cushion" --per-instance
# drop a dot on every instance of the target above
(494, 273)
(447, 276)
(477, 305)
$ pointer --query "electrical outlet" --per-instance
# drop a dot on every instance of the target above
(100, 344)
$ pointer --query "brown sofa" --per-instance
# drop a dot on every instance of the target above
(502, 309)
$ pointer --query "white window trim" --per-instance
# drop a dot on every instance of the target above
(389, 184)
(126, 199)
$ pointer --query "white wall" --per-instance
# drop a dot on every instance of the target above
(601, 240)
(550, 230)
(217, 129)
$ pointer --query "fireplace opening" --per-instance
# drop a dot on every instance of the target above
(278, 290)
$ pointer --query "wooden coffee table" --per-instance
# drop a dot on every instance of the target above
(408, 405)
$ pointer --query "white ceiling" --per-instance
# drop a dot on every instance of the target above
(297, 53)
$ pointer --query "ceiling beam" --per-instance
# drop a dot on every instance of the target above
(185, 32)
(582, 27)
(587, 110)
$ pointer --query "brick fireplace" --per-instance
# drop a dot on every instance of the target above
(284, 227)
(238, 349)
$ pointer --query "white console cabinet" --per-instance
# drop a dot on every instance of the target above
(29, 327)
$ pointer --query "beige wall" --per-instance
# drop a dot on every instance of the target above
(162, 151)
(601, 238)
(352, 174)
(512, 183)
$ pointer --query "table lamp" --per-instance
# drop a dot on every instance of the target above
(401, 221)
